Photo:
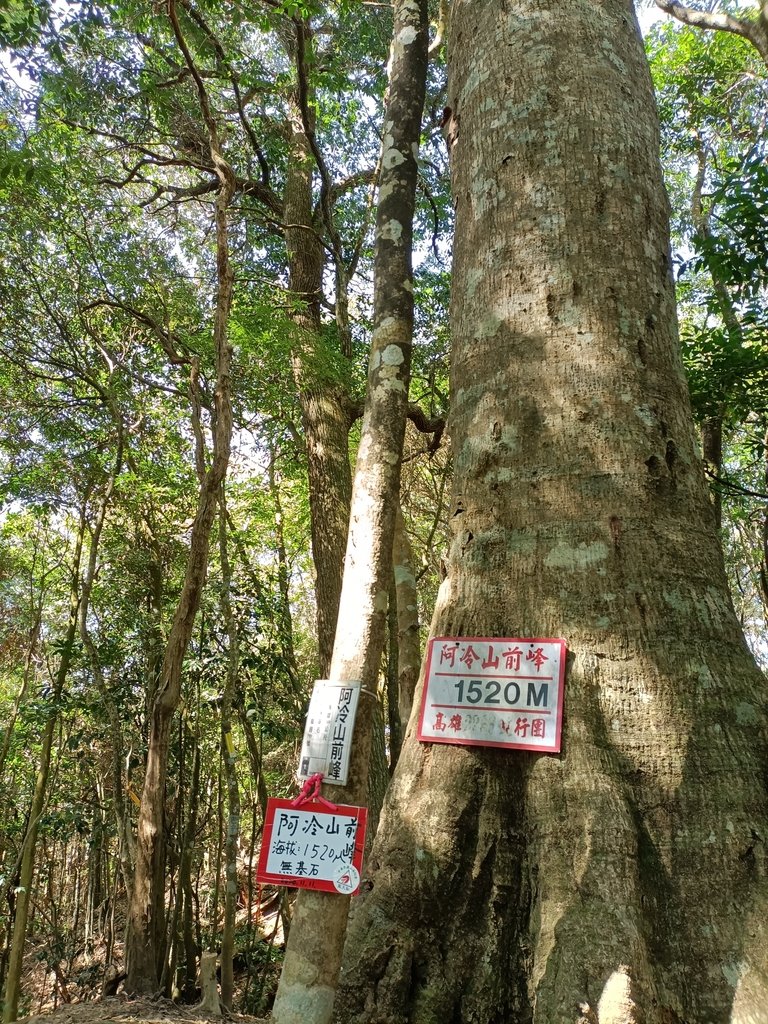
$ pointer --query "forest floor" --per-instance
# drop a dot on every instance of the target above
(60, 991)
(120, 1010)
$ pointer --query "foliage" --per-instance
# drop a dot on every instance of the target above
(711, 91)
(107, 272)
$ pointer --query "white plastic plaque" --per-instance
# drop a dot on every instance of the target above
(328, 732)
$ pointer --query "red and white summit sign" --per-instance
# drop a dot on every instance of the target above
(494, 692)
(313, 844)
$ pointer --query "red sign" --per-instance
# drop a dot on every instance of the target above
(494, 692)
(313, 847)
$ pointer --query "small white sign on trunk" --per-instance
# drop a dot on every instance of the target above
(328, 733)
(494, 692)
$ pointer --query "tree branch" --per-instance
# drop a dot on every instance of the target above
(729, 485)
(434, 425)
(219, 50)
(164, 337)
(441, 29)
(756, 32)
(326, 186)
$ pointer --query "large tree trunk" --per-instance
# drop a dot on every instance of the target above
(624, 879)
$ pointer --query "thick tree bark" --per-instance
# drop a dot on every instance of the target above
(313, 954)
(624, 879)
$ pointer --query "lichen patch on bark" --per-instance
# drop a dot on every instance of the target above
(392, 231)
(392, 158)
(576, 557)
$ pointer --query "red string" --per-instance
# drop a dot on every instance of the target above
(311, 791)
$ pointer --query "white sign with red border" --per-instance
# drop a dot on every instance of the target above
(313, 847)
(494, 692)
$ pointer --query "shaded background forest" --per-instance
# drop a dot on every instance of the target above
(109, 288)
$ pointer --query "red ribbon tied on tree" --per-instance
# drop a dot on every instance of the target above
(311, 791)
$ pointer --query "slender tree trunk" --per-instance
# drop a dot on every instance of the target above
(155, 639)
(712, 450)
(326, 429)
(213, 915)
(171, 939)
(712, 424)
(27, 870)
(229, 758)
(187, 896)
(10, 879)
(624, 879)
(122, 814)
(313, 954)
(147, 922)
(409, 648)
(10, 723)
(254, 753)
(378, 770)
(325, 420)
(146, 916)
(285, 618)
(394, 720)
(405, 652)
